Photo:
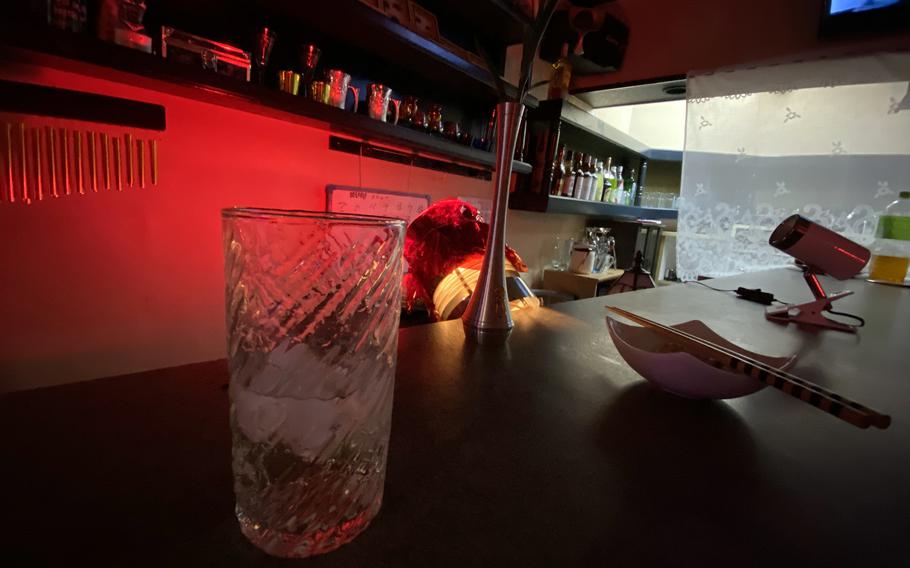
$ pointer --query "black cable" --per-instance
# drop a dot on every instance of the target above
(708, 287)
(755, 295)
(854, 317)
(861, 321)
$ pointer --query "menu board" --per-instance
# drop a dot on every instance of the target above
(381, 202)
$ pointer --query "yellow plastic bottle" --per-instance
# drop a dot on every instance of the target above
(891, 250)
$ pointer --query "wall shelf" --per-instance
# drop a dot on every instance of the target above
(377, 34)
(85, 54)
(493, 20)
(572, 206)
(588, 126)
(662, 155)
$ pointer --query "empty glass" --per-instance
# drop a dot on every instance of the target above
(313, 302)
(562, 249)
(339, 83)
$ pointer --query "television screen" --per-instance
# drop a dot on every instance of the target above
(841, 6)
(864, 17)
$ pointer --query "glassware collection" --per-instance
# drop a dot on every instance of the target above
(593, 252)
(121, 22)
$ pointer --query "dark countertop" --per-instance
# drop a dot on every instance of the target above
(547, 451)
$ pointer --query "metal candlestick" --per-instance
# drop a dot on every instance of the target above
(487, 314)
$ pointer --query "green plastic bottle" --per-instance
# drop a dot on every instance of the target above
(891, 249)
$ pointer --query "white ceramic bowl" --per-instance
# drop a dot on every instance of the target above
(678, 372)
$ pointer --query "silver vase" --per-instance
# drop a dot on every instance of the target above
(488, 313)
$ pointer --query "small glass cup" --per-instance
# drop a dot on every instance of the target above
(313, 302)
(289, 81)
(319, 91)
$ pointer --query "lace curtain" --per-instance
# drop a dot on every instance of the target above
(829, 139)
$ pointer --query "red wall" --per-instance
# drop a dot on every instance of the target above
(673, 37)
(110, 283)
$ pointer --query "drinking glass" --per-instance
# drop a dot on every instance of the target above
(313, 302)
(289, 81)
(339, 83)
(562, 249)
(378, 99)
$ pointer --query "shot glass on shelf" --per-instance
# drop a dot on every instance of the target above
(289, 81)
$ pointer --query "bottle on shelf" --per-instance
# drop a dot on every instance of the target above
(631, 188)
(891, 249)
(552, 147)
(620, 187)
(592, 178)
(598, 181)
(559, 171)
(587, 177)
(642, 175)
(561, 77)
(568, 178)
(521, 145)
(609, 181)
(579, 175)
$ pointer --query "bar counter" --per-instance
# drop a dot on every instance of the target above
(547, 451)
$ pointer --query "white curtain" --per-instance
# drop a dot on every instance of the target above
(829, 139)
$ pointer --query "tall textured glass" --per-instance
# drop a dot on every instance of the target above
(313, 303)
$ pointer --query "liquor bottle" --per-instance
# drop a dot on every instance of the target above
(561, 77)
(568, 178)
(599, 181)
(559, 170)
(642, 174)
(608, 181)
(552, 148)
(576, 176)
(545, 144)
(583, 187)
(581, 182)
(592, 184)
(620, 187)
(521, 144)
(631, 187)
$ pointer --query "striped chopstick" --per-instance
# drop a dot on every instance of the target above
(806, 391)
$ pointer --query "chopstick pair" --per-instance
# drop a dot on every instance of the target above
(806, 391)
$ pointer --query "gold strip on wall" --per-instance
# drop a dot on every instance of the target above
(52, 158)
(140, 152)
(66, 162)
(92, 160)
(23, 171)
(106, 159)
(9, 162)
(130, 174)
(153, 147)
(38, 133)
(118, 164)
